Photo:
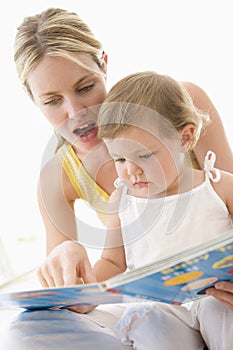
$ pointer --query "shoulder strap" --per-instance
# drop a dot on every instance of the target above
(211, 172)
(120, 184)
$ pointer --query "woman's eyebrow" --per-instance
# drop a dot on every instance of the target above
(49, 93)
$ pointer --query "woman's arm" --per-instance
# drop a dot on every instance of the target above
(223, 291)
(214, 138)
(67, 260)
(56, 198)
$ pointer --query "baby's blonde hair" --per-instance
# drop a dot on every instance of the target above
(53, 32)
(162, 97)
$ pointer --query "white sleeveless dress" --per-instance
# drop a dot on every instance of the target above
(154, 228)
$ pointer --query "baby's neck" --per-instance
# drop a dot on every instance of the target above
(190, 178)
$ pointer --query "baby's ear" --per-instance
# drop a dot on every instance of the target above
(187, 135)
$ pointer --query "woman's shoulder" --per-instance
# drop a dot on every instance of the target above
(51, 166)
(191, 87)
(200, 98)
(53, 177)
(195, 91)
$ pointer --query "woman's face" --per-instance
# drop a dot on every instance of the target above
(69, 96)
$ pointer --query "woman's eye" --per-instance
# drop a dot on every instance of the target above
(53, 101)
(85, 89)
(145, 156)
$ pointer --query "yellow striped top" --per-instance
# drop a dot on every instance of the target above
(86, 188)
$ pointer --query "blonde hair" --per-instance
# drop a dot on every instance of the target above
(163, 98)
(53, 32)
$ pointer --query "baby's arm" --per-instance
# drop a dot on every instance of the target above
(112, 261)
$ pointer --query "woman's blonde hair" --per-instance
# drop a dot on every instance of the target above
(140, 96)
(53, 32)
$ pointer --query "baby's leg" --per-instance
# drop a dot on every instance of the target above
(216, 323)
(159, 326)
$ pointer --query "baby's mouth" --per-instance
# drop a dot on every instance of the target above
(84, 129)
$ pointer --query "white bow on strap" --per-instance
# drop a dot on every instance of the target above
(212, 173)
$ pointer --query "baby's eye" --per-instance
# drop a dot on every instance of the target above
(145, 156)
(120, 160)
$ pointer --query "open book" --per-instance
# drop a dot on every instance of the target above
(176, 279)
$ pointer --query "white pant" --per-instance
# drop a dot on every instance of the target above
(161, 326)
(146, 326)
(64, 330)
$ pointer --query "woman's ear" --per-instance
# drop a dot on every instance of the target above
(105, 63)
(105, 57)
(187, 135)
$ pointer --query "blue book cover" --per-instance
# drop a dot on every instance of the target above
(176, 279)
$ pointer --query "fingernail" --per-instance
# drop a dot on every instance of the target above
(219, 285)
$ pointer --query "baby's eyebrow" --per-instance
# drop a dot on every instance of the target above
(142, 149)
(116, 155)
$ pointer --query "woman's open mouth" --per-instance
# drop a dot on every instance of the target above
(84, 129)
(86, 132)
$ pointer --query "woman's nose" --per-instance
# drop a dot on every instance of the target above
(75, 109)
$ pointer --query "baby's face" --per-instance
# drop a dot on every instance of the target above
(148, 165)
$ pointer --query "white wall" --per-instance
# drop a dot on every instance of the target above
(190, 40)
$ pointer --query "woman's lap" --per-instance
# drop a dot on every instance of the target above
(64, 329)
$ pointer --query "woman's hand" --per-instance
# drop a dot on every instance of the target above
(66, 265)
(223, 291)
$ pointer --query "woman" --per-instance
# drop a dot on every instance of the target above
(63, 69)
